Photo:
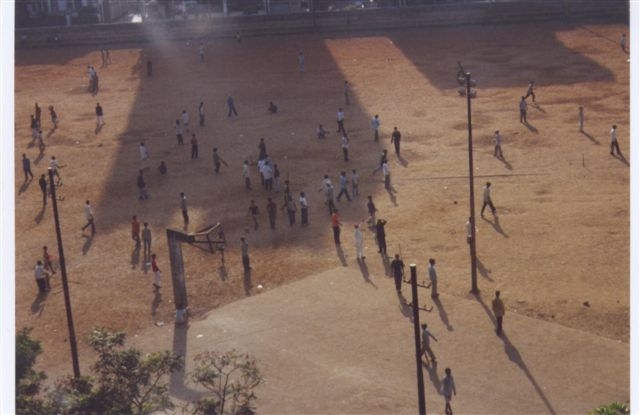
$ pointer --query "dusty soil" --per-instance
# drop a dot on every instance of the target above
(563, 201)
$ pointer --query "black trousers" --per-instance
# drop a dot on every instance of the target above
(344, 192)
(194, 151)
(304, 216)
(341, 126)
(185, 216)
(336, 235)
(614, 144)
(398, 280)
(484, 205)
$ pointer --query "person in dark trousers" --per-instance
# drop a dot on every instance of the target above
(614, 141)
(149, 68)
(26, 167)
(183, 207)
(498, 310)
(395, 139)
(38, 112)
(523, 110)
(271, 211)
(530, 92)
(335, 225)
(397, 268)
(448, 389)
(344, 183)
(135, 231)
(426, 344)
(253, 212)
(262, 147)
(99, 116)
(486, 200)
(244, 246)
(194, 147)
(231, 106)
(162, 168)
(433, 277)
(340, 120)
(88, 213)
(381, 236)
(371, 208)
(201, 113)
(142, 187)
(383, 159)
(146, 240)
(291, 211)
(304, 209)
(41, 278)
(217, 161)
(273, 108)
(43, 187)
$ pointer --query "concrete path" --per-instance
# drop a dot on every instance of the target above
(340, 343)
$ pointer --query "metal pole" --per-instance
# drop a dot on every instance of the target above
(65, 284)
(472, 210)
(416, 332)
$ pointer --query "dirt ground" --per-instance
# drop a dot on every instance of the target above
(560, 240)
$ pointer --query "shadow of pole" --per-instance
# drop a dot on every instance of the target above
(177, 384)
(483, 270)
(590, 137)
(247, 283)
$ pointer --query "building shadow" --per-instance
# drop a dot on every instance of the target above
(87, 244)
(530, 127)
(432, 370)
(364, 270)
(157, 299)
(590, 137)
(483, 270)
(135, 257)
(247, 283)
(442, 313)
(341, 256)
(37, 307)
(177, 381)
(496, 225)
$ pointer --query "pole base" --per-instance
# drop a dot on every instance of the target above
(181, 316)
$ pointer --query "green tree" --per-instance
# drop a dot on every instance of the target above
(28, 381)
(614, 408)
(231, 377)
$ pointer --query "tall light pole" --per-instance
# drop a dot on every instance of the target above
(65, 284)
(472, 210)
(416, 332)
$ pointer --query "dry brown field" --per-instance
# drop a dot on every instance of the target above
(561, 239)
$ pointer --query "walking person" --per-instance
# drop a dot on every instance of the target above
(262, 148)
(55, 166)
(371, 208)
(344, 183)
(433, 277)
(614, 141)
(246, 175)
(194, 146)
(347, 93)
(387, 175)
(523, 110)
(530, 92)
(88, 213)
(397, 268)
(146, 240)
(304, 209)
(179, 132)
(301, 62)
(291, 211)
(335, 225)
(426, 344)
(162, 168)
(375, 125)
(99, 116)
(232, 107)
(497, 149)
(623, 42)
(185, 120)
(381, 236)
(395, 140)
(253, 212)
(183, 207)
(41, 278)
(322, 132)
(486, 200)
(271, 212)
(47, 260)
(38, 113)
(267, 173)
(156, 272)
(54, 117)
(201, 113)
(498, 310)
(581, 118)
(354, 184)
(273, 108)
(144, 153)
(383, 159)
(359, 240)
(448, 388)
(26, 168)
(43, 187)
(142, 187)
(135, 230)
(345, 147)
(276, 178)
(327, 187)
(244, 247)
(340, 120)
(217, 161)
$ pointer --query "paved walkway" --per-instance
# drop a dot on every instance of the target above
(337, 343)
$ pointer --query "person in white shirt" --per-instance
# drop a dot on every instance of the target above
(327, 188)
(246, 176)
(267, 173)
(344, 183)
(179, 132)
(497, 151)
(387, 175)
(144, 154)
(486, 200)
(304, 209)
(614, 141)
(53, 165)
(185, 120)
(88, 213)
(359, 239)
(375, 124)
(530, 92)
(340, 120)
(41, 278)
(433, 277)
(469, 235)
(345, 147)
(523, 110)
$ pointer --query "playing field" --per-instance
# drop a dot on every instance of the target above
(558, 251)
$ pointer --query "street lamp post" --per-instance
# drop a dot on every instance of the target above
(472, 211)
(416, 332)
(65, 284)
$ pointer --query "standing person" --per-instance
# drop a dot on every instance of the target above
(232, 107)
(523, 110)
(146, 239)
(156, 272)
(347, 92)
(26, 167)
(273, 108)
(90, 75)
(335, 225)
(327, 187)
(345, 147)
(262, 148)
(48, 262)
(375, 125)
(497, 150)
(194, 146)
(253, 212)
(135, 230)
(41, 278)
(88, 213)
(107, 55)
(426, 344)
(142, 149)
(498, 310)
(387, 175)
(217, 160)
(291, 211)
(614, 141)
(201, 52)
(244, 247)
(359, 239)
(149, 68)
(623, 42)
(301, 62)
(267, 173)
(276, 178)
(38, 112)
(344, 183)
(395, 140)
(183, 207)
(99, 116)
(381, 236)
(304, 209)
(179, 132)
(43, 187)
(54, 117)
(486, 200)
(354, 184)
(201, 113)
(246, 175)
(433, 277)
(271, 211)
(322, 133)
(383, 159)
(185, 120)
(340, 120)
(33, 124)
(530, 92)
(142, 187)
(581, 118)
(54, 166)
(162, 168)
(371, 208)
(397, 268)
(448, 387)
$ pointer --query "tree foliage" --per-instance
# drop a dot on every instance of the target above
(28, 381)
(615, 408)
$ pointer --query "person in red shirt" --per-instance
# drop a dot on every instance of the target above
(135, 231)
(48, 261)
(156, 272)
(335, 224)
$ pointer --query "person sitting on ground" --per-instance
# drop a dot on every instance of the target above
(322, 133)
(272, 108)
(162, 168)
